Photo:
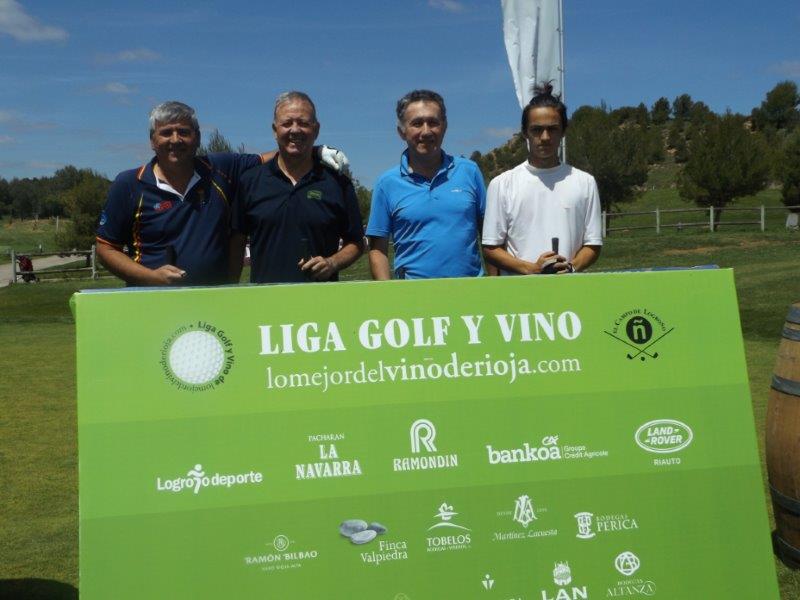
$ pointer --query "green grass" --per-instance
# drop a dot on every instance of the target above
(26, 236)
(38, 463)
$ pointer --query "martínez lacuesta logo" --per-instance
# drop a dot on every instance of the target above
(197, 356)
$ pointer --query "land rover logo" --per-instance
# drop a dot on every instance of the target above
(664, 436)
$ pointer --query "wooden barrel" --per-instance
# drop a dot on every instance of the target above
(783, 442)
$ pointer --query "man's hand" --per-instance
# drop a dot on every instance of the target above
(335, 159)
(550, 263)
(166, 275)
(318, 268)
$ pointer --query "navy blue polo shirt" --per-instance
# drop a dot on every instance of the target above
(288, 222)
(159, 228)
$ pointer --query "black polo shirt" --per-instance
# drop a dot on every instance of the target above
(288, 222)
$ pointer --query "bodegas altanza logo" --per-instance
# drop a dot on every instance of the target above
(640, 330)
(628, 564)
(327, 463)
(197, 356)
(283, 553)
(197, 479)
(523, 520)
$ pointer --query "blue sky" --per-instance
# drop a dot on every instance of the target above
(78, 78)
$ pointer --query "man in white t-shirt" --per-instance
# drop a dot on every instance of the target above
(541, 200)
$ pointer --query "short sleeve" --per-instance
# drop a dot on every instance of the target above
(593, 231)
(116, 221)
(380, 219)
(495, 225)
(233, 165)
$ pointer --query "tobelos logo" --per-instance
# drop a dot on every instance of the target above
(197, 356)
(640, 330)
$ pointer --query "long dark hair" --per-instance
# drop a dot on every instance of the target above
(543, 97)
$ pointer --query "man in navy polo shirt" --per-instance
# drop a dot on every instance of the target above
(302, 218)
(431, 204)
(172, 213)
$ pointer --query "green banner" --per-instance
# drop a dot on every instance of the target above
(541, 438)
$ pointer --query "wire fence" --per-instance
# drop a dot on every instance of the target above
(712, 219)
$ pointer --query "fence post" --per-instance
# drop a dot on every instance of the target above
(658, 222)
(56, 223)
(604, 224)
(94, 261)
(763, 218)
(711, 218)
(13, 266)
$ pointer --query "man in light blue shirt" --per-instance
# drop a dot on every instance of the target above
(431, 204)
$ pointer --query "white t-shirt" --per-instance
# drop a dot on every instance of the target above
(526, 207)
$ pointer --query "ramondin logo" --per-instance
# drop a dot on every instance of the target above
(197, 356)
(640, 330)
(196, 479)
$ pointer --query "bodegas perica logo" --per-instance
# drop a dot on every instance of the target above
(640, 330)
(197, 356)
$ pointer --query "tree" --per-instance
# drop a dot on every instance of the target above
(216, 143)
(364, 196)
(726, 162)
(83, 203)
(780, 108)
(5, 197)
(616, 156)
(789, 170)
(682, 106)
(659, 114)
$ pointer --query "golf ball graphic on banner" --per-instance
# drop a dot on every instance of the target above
(197, 357)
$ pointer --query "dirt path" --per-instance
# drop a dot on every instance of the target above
(39, 262)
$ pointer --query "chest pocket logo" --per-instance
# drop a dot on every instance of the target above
(163, 206)
(314, 195)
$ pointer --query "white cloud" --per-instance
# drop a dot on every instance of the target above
(117, 88)
(129, 56)
(14, 122)
(448, 5)
(6, 139)
(17, 23)
(500, 132)
(787, 68)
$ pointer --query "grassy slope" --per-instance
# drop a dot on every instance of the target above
(37, 405)
(25, 236)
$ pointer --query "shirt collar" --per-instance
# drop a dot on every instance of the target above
(315, 173)
(202, 168)
(405, 170)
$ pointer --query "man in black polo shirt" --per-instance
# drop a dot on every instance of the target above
(302, 218)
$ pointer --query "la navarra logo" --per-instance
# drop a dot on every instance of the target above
(640, 330)
(197, 356)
